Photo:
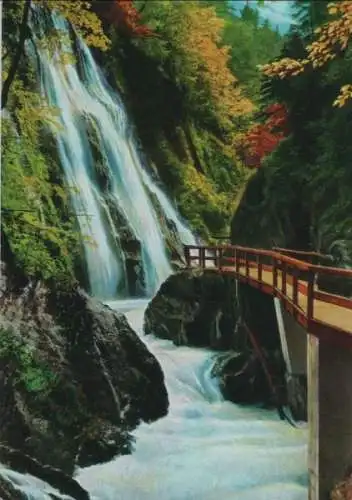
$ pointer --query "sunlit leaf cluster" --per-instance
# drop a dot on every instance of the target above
(79, 14)
(333, 37)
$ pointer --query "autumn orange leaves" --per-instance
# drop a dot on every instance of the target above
(123, 13)
(262, 139)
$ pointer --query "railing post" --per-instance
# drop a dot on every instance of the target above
(219, 262)
(310, 296)
(284, 278)
(216, 257)
(237, 263)
(247, 264)
(275, 275)
(295, 291)
(260, 269)
(187, 255)
(202, 257)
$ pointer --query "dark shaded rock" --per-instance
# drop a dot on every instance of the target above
(21, 462)
(173, 243)
(259, 314)
(131, 248)
(241, 378)
(74, 377)
(194, 307)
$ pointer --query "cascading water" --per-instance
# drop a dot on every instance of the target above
(84, 99)
(184, 232)
(205, 448)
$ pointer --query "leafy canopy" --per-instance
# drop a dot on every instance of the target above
(333, 38)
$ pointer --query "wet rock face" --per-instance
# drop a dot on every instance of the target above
(16, 460)
(74, 377)
(241, 378)
(193, 307)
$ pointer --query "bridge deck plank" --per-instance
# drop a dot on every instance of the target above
(331, 314)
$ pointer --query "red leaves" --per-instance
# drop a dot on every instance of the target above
(124, 15)
(262, 139)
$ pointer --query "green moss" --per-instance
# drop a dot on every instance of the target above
(40, 229)
(33, 374)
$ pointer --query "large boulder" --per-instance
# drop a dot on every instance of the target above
(194, 307)
(74, 377)
(242, 378)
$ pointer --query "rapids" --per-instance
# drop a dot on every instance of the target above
(205, 448)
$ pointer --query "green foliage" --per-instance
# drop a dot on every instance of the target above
(251, 44)
(35, 210)
(33, 374)
(301, 198)
(205, 208)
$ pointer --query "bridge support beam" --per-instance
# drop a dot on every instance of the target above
(294, 349)
(329, 416)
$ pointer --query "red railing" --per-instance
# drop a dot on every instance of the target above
(280, 273)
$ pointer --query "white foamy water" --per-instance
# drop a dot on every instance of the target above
(84, 101)
(184, 232)
(205, 448)
(30, 486)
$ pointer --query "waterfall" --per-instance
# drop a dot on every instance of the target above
(184, 232)
(84, 101)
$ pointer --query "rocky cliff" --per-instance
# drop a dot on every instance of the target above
(75, 379)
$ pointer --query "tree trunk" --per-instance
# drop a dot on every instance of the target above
(18, 55)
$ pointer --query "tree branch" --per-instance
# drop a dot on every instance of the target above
(143, 7)
(18, 54)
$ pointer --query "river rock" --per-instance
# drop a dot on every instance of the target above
(20, 462)
(194, 307)
(241, 378)
(74, 377)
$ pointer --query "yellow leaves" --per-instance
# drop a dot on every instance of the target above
(284, 68)
(31, 111)
(333, 35)
(87, 23)
(344, 96)
(199, 187)
(201, 42)
(332, 9)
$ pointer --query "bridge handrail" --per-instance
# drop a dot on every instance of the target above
(306, 253)
(278, 256)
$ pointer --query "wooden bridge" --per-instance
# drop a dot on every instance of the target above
(315, 331)
(291, 276)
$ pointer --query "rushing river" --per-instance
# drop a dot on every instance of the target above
(205, 448)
